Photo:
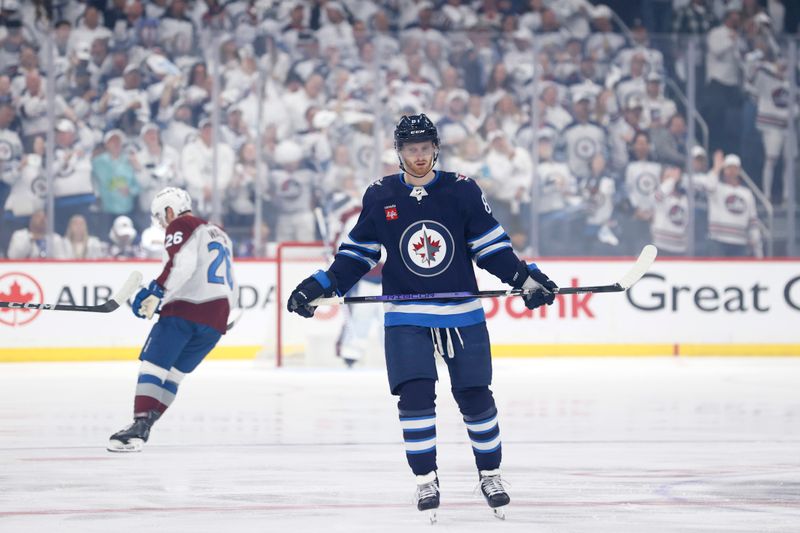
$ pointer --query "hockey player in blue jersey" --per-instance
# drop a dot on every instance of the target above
(433, 225)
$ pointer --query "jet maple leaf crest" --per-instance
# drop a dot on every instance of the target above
(17, 296)
(426, 248)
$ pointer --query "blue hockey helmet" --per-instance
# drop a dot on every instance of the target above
(413, 129)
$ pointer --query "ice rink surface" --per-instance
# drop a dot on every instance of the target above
(590, 445)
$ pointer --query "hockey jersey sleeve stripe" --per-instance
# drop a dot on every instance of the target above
(355, 255)
(493, 249)
(502, 237)
(366, 252)
(486, 238)
(368, 246)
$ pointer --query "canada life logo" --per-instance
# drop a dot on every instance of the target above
(427, 248)
(18, 287)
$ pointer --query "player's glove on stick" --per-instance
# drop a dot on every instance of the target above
(542, 288)
(319, 284)
(148, 300)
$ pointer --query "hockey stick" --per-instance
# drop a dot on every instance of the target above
(111, 305)
(646, 258)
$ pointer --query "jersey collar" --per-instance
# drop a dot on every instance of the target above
(436, 174)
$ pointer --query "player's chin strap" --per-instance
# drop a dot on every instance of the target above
(439, 348)
(433, 164)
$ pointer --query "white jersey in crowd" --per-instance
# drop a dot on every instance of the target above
(157, 172)
(670, 219)
(732, 215)
(556, 186)
(73, 171)
(10, 156)
(599, 195)
(293, 190)
(583, 141)
(30, 188)
(723, 57)
(604, 45)
(772, 94)
(642, 178)
(197, 159)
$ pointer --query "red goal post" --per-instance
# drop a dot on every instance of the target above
(292, 253)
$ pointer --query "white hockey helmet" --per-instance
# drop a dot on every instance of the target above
(173, 197)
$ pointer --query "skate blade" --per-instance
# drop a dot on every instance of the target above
(500, 512)
(133, 445)
(432, 516)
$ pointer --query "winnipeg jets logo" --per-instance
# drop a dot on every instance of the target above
(735, 204)
(427, 248)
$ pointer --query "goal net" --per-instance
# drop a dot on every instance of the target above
(321, 341)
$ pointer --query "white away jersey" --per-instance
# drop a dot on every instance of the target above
(198, 277)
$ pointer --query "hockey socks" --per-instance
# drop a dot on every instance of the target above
(156, 388)
(480, 416)
(418, 420)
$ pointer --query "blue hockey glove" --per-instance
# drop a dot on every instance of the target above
(319, 284)
(543, 288)
(147, 300)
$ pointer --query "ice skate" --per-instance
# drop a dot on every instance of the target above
(428, 494)
(495, 493)
(133, 437)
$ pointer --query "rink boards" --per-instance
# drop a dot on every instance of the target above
(703, 307)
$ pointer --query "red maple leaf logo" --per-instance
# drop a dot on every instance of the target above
(17, 296)
(429, 248)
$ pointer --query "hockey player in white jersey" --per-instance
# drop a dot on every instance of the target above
(194, 293)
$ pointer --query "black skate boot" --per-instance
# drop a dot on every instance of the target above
(428, 494)
(133, 437)
(494, 492)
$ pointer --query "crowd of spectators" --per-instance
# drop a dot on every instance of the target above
(307, 92)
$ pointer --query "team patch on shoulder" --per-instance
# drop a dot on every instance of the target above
(462, 177)
(377, 182)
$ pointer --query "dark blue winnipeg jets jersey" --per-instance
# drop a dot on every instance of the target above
(432, 235)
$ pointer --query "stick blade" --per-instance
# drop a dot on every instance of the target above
(127, 289)
(643, 263)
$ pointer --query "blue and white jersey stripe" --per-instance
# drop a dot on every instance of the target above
(370, 248)
(434, 314)
(490, 236)
(489, 243)
(491, 249)
(359, 256)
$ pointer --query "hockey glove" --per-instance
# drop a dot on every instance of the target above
(542, 288)
(319, 284)
(148, 300)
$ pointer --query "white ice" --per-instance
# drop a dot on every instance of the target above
(590, 445)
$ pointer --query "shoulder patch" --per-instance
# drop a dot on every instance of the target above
(462, 177)
(377, 183)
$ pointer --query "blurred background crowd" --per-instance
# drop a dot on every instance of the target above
(592, 127)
